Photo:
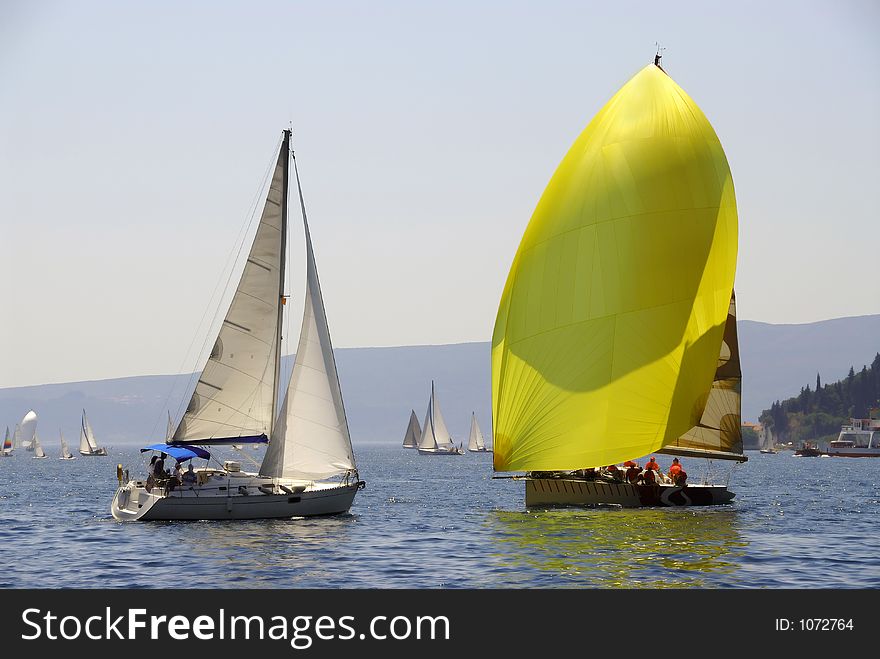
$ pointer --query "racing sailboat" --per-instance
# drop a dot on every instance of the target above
(65, 449)
(38, 448)
(309, 466)
(616, 336)
(435, 438)
(476, 442)
(88, 445)
(7, 444)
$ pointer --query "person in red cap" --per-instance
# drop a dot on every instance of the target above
(652, 464)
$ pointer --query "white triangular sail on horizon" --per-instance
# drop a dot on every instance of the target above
(65, 449)
(234, 396)
(413, 432)
(16, 436)
(311, 439)
(435, 435)
(38, 448)
(427, 442)
(475, 440)
(88, 445)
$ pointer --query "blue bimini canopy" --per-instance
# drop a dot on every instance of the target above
(179, 453)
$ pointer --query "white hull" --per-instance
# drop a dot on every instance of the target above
(240, 497)
(480, 450)
(854, 452)
(574, 492)
(437, 451)
(100, 451)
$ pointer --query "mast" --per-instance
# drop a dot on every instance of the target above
(285, 148)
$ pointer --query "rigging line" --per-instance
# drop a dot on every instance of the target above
(231, 259)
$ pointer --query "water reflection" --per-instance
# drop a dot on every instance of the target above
(607, 548)
(271, 553)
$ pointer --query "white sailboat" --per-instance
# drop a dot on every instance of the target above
(768, 444)
(65, 449)
(38, 448)
(413, 432)
(476, 443)
(87, 443)
(6, 451)
(28, 429)
(309, 466)
(435, 438)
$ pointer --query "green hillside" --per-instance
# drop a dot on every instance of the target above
(817, 414)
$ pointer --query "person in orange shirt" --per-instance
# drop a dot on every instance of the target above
(675, 469)
(652, 464)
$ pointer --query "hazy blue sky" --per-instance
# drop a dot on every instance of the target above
(134, 138)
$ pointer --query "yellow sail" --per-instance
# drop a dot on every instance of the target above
(611, 321)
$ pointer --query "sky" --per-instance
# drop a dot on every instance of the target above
(135, 137)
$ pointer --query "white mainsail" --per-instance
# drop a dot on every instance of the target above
(434, 432)
(38, 448)
(413, 432)
(475, 441)
(235, 393)
(16, 436)
(28, 427)
(311, 438)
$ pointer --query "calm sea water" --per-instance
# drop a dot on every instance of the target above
(441, 522)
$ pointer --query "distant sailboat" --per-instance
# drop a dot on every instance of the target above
(615, 336)
(38, 448)
(476, 443)
(308, 468)
(28, 429)
(768, 445)
(435, 438)
(87, 443)
(65, 449)
(413, 432)
(7, 444)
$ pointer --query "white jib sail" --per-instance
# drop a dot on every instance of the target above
(413, 432)
(311, 438)
(475, 441)
(28, 428)
(16, 436)
(234, 393)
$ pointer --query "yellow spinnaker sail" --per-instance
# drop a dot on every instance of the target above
(611, 321)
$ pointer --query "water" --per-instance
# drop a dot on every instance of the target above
(441, 522)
